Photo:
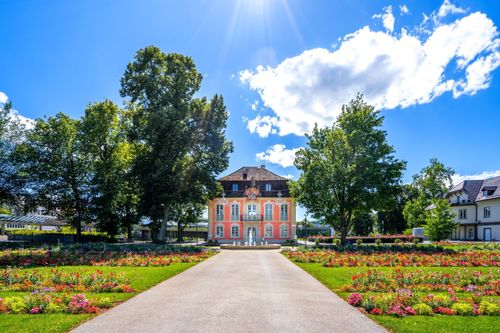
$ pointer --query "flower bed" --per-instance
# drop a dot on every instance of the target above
(406, 303)
(466, 280)
(40, 257)
(394, 259)
(81, 281)
(38, 303)
(368, 239)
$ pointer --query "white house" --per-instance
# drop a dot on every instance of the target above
(476, 204)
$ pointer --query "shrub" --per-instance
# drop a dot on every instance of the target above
(416, 241)
(336, 241)
(398, 241)
(354, 299)
(378, 241)
(489, 309)
(3, 307)
(444, 311)
(15, 304)
(423, 309)
(359, 242)
(463, 309)
(103, 303)
(376, 311)
(53, 308)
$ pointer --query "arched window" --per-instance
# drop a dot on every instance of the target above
(268, 231)
(219, 231)
(283, 231)
(235, 231)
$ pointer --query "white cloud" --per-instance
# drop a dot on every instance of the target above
(458, 178)
(448, 8)
(390, 70)
(14, 114)
(387, 18)
(289, 176)
(403, 9)
(254, 105)
(263, 126)
(3, 98)
(278, 154)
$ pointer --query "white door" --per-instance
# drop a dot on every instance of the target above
(487, 234)
(252, 210)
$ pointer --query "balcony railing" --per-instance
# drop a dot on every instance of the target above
(219, 217)
(251, 217)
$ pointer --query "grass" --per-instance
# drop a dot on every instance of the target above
(141, 279)
(336, 277)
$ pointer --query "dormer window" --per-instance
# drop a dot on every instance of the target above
(488, 190)
(245, 176)
(235, 187)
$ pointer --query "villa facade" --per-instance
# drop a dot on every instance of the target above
(254, 207)
(476, 204)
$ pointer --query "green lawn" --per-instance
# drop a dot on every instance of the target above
(336, 277)
(141, 279)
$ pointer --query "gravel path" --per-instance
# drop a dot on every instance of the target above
(235, 291)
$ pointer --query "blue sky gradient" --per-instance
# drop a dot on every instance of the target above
(62, 55)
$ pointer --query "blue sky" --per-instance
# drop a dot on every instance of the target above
(430, 66)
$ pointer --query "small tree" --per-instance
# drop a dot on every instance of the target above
(431, 183)
(439, 220)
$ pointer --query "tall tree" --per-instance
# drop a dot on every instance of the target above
(181, 139)
(347, 168)
(390, 219)
(11, 134)
(431, 183)
(439, 221)
(57, 171)
(111, 155)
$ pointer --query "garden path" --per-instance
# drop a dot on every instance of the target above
(235, 291)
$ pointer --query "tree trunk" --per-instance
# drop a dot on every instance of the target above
(162, 233)
(343, 231)
(180, 230)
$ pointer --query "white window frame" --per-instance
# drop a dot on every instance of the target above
(268, 227)
(470, 233)
(487, 212)
(268, 187)
(284, 217)
(235, 217)
(235, 187)
(283, 227)
(219, 231)
(237, 234)
(219, 216)
(462, 214)
(268, 217)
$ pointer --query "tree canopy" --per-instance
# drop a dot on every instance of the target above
(347, 169)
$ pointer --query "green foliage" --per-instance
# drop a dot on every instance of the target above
(11, 134)
(423, 309)
(439, 220)
(489, 308)
(114, 196)
(431, 183)
(56, 171)
(463, 309)
(16, 304)
(180, 140)
(347, 168)
(414, 211)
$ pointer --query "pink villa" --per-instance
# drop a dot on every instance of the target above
(255, 205)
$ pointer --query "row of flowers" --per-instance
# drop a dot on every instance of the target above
(368, 239)
(395, 259)
(30, 258)
(465, 280)
(36, 303)
(59, 281)
(406, 303)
